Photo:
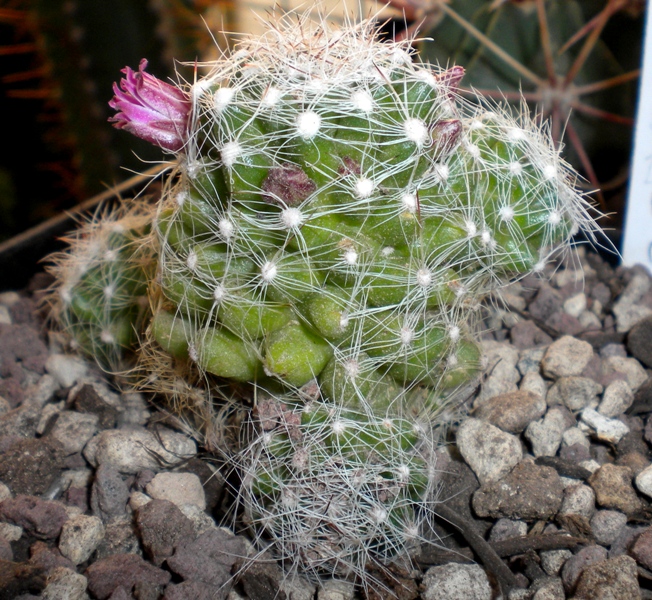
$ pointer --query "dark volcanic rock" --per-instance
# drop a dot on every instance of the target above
(30, 466)
(639, 341)
(19, 578)
(123, 571)
(528, 492)
(41, 518)
(162, 527)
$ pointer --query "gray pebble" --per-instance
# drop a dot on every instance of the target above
(533, 382)
(574, 566)
(628, 368)
(575, 305)
(530, 360)
(65, 584)
(504, 529)
(578, 500)
(80, 537)
(133, 450)
(512, 412)
(616, 399)
(566, 357)
(73, 429)
(553, 560)
(644, 481)
(607, 525)
(336, 589)
(573, 436)
(575, 393)
(489, 451)
(607, 430)
(454, 581)
(500, 360)
(551, 589)
(178, 488)
(626, 309)
(546, 434)
(66, 369)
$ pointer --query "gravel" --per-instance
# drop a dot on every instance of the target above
(100, 497)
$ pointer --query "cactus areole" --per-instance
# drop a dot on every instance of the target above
(337, 214)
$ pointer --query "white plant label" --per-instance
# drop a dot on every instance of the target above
(637, 241)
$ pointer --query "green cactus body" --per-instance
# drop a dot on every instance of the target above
(100, 297)
(340, 212)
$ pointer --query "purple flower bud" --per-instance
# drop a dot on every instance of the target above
(151, 109)
(451, 77)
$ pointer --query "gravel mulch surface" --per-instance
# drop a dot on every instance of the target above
(545, 488)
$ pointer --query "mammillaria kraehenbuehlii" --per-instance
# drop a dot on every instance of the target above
(337, 214)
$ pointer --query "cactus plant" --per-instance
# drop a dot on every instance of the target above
(336, 217)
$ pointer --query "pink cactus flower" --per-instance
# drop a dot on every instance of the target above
(151, 109)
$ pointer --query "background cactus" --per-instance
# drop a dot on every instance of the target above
(336, 217)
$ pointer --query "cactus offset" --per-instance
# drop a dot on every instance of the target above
(100, 292)
(337, 215)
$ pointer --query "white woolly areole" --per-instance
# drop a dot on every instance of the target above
(539, 267)
(338, 427)
(107, 337)
(191, 261)
(506, 213)
(473, 150)
(351, 368)
(180, 198)
(378, 514)
(471, 228)
(111, 255)
(192, 352)
(271, 97)
(516, 134)
(454, 333)
(344, 321)
(291, 218)
(109, 291)
(485, 238)
(515, 168)
(550, 171)
(416, 131)
(362, 100)
(424, 277)
(199, 89)
(222, 98)
(219, 293)
(268, 271)
(230, 152)
(350, 257)
(403, 472)
(407, 335)
(477, 124)
(364, 188)
(308, 124)
(554, 218)
(426, 76)
(387, 251)
(442, 172)
(452, 361)
(409, 201)
(226, 229)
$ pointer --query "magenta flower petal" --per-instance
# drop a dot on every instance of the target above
(151, 109)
